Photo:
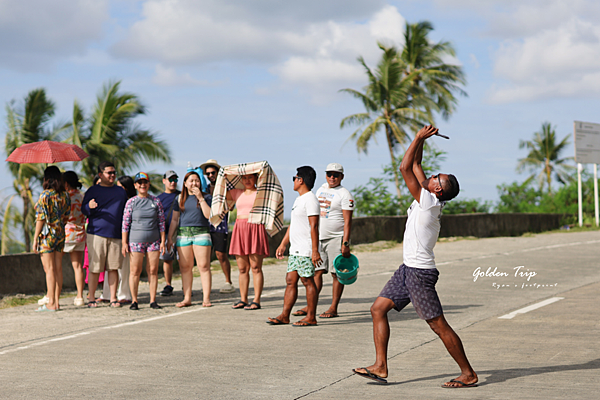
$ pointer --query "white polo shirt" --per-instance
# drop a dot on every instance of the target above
(300, 237)
(422, 231)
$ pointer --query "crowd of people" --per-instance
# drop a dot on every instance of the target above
(117, 224)
(126, 224)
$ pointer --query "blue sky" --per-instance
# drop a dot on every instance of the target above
(246, 80)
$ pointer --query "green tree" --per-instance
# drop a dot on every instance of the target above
(389, 106)
(431, 76)
(544, 159)
(29, 122)
(110, 134)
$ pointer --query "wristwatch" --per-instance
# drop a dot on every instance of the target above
(347, 244)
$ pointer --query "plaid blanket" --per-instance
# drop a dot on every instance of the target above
(268, 206)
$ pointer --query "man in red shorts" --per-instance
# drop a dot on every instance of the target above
(414, 282)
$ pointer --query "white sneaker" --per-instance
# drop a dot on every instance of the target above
(78, 301)
(43, 300)
(227, 288)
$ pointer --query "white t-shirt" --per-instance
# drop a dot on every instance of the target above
(422, 231)
(332, 202)
(300, 239)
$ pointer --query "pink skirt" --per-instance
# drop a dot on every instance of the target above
(248, 239)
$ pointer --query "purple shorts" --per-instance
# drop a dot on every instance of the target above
(416, 286)
(144, 247)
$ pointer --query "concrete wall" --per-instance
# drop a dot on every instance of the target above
(23, 273)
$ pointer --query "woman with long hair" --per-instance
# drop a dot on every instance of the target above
(143, 234)
(191, 212)
(52, 212)
(75, 233)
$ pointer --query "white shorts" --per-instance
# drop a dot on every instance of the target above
(330, 249)
(74, 246)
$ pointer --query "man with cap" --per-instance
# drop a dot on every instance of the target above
(167, 198)
(335, 223)
(219, 233)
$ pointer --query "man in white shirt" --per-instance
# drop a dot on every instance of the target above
(414, 282)
(335, 223)
(303, 236)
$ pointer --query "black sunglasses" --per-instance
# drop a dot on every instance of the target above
(439, 181)
(333, 174)
(111, 172)
(295, 177)
(211, 173)
(173, 180)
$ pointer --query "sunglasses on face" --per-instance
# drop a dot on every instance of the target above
(294, 178)
(211, 173)
(333, 175)
(142, 182)
(439, 181)
(110, 172)
(173, 180)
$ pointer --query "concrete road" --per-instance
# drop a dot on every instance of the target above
(550, 351)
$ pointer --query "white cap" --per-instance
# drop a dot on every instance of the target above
(334, 167)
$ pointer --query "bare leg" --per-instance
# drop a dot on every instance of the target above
(113, 282)
(76, 262)
(312, 297)
(168, 271)
(289, 298)
(455, 348)
(48, 264)
(202, 254)
(152, 271)
(58, 275)
(318, 278)
(225, 265)
(256, 261)
(135, 270)
(186, 265)
(381, 336)
(336, 294)
(92, 285)
(243, 263)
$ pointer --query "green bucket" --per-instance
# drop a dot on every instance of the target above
(346, 269)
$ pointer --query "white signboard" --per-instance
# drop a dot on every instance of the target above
(587, 143)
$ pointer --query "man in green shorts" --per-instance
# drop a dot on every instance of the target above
(303, 236)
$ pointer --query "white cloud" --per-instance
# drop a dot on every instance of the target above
(35, 33)
(165, 76)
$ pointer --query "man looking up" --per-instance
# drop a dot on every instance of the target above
(170, 179)
(303, 234)
(415, 279)
(335, 223)
(103, 204)
(218, 234)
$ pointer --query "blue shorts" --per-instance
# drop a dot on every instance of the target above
(416, 286)
(193, 235)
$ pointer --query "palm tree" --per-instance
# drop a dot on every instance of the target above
(433, 77)
(110, 134)
(544, 154)
(392, 105)
(29, 122)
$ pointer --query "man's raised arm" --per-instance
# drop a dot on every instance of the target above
(411, 169)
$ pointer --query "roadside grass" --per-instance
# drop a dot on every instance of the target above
(380, 245)
(456, 238)
(25, 299)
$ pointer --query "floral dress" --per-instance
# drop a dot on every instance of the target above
(53, 208)
(75, 227)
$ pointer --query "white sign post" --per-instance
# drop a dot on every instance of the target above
(587, 151)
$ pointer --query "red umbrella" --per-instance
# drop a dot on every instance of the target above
(47, 152)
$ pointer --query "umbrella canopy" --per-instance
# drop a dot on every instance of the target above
(46, 152)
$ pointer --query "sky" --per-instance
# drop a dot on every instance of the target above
(250, 80)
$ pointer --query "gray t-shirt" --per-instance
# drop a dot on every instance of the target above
(192, 215)
(144, 218)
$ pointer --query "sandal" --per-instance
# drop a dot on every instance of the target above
(115, 304)
(239, 304)
(250, 306)
(92, 304)
(299, 313)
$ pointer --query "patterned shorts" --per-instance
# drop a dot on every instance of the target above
(193, 235)
(302, 265)
(144, 247)
(49, 244)
(416, 286)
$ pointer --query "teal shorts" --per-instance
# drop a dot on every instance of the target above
(193, 235)
(302, 265)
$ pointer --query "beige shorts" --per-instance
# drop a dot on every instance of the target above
(104, 254)
(74, 246)
(330, 249)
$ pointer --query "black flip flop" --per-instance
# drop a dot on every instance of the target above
(299, 313)
(275, 321)
(239, 305)
(249, 306)
(462, 385)
(370, 375)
